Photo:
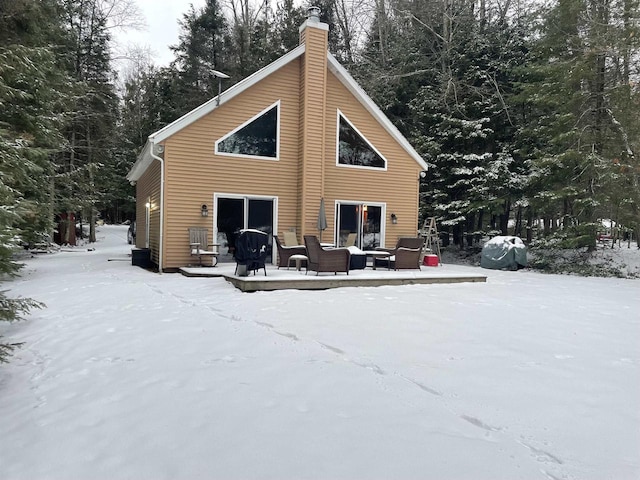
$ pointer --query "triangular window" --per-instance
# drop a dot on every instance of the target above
(354, 149)
(257, 137)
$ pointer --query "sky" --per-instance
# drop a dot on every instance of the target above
(131, 374)
(161, 31)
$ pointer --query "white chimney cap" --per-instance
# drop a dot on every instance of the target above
(313, 13)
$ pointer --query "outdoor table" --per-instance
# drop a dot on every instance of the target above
(378, 254)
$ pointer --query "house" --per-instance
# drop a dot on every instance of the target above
(264, 154)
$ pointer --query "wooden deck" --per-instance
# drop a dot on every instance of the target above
(291, 279)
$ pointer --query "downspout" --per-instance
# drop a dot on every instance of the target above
(161, 240)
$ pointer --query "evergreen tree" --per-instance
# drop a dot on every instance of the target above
(92, 119)
(31, 98)
(580, 132)
(287, 21)
(202, 47)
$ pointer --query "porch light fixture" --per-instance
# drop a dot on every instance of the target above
(147, 205)
(394, 218)
(204, 211)
(219, 76)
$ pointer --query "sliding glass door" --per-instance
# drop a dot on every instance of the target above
(236, 212)
(359, 224)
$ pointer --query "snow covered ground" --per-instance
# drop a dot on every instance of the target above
(129, 374)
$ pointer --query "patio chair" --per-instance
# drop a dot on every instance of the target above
(320, 260)
(291, 240)
(200, 247)
(285, 253)
(406, 258)
(251, 252)
(351, 240)
(406, 253)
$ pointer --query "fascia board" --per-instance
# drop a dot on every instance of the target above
(347, 80)
(225, 96)
(142, 163)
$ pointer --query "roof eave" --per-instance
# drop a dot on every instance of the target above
(142, 163)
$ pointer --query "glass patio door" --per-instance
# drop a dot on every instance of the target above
(239, 212)
(364, 221)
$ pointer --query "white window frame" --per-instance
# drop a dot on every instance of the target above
(235, 130)
(383, 219)
(245, 212)
(342, 165)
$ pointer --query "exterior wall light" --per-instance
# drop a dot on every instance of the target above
(394, 218)
(204, 211)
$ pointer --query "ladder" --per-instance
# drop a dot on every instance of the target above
(429, 232)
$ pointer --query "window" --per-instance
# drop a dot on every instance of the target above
(236, 212)
(364, 220)
(354, 149)
(258, 137)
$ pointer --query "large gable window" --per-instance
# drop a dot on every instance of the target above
(354, 149)
(256, 138)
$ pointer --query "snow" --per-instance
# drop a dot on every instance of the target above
(129, 374)
(624, 256)
(508, 241)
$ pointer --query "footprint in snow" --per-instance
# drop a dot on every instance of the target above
(479, 423)
(288, 335)
(542, 455)
(332, 349)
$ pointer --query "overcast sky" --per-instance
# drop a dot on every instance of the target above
(161, 18)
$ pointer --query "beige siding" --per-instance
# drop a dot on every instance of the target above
(312, 127)
(194, 173)
(397, 186)
(148, 189)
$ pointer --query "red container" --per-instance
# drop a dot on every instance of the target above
(430, 260)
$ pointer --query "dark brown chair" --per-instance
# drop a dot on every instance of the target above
(406, 258)
(406, 253)
(284, 253)
(331, 260)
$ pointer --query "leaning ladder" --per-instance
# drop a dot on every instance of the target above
(429, 232)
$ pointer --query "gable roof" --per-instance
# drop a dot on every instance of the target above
(146, 156)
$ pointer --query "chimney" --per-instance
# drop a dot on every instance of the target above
(313, 91)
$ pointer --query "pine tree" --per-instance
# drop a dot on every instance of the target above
(32, 95)
(580, 132)
(93, 117)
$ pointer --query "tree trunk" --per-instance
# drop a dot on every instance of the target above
(382, 30)
(529, 224)
(504, 218)
(517, 231)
